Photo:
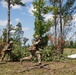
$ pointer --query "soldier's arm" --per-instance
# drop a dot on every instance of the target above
(5, 48)
(37, 42)
(10, 48)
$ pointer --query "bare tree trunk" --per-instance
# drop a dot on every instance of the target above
(61, 34)
(8, 24)
(55, 27)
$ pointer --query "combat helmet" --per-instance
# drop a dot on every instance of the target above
(37, 36)
(11, 42)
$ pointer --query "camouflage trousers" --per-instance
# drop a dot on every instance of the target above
(37, 54)
(4, 54)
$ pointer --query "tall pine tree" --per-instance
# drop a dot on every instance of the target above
(40, 25)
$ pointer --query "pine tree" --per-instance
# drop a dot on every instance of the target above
(13, 2)
(65, 11)
(40, 24)
(18, 34)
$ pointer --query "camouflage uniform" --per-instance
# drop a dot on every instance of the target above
(7, 50)
(34, 49)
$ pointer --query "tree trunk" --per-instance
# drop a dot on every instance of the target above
(61, 34)
(55, 42)
(8, 24)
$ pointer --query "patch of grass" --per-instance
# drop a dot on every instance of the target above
(70, 51)
(53, 68)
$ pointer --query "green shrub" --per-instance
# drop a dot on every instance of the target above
(19, 52)
(48, 54)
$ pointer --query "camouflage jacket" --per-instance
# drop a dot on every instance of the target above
(37, 43)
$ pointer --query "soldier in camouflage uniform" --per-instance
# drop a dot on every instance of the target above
(34, 50)
(7, 50)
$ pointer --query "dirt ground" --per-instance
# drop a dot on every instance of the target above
(32, 68)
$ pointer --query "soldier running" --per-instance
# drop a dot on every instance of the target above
(34, 50)
(7, 50)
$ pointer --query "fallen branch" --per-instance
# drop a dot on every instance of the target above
(31, 68)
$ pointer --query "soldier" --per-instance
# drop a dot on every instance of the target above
(34, 50)
(7, 50)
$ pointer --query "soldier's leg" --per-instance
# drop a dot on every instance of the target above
(9, 56)
(38, 57)
(3, 55)
(26, 58)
